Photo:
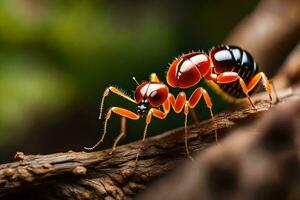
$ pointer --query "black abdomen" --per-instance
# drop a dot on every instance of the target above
(234, 59)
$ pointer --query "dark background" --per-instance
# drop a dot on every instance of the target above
(57, 57)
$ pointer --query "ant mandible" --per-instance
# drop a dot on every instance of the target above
(149, 96)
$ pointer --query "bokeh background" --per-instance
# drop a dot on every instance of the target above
(57, 57)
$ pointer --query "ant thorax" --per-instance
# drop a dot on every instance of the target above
(187, 70)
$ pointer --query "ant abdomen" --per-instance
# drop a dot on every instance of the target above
(234, 59)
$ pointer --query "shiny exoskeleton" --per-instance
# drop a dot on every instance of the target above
(229, 69)
(234, 59)
(148, 96)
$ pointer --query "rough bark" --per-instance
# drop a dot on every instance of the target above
(94, 175)
(97, 175)
(257, 161)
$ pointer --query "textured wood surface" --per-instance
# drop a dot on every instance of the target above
(260, 160)
(94, 175)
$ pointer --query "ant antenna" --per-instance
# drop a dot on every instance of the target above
(135, 80)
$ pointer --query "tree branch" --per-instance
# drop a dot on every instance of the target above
(83, 175)
(258, 161)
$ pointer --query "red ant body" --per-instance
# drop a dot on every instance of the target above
(148, 97)
(230, 70)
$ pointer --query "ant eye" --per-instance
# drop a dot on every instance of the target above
(153, 94)
(158, 97)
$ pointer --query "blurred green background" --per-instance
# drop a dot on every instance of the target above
(57, 57)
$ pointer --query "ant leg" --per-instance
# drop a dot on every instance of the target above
(166, 106)
(194, 100)
(154, 78)
(157, 113)
(141, 144)
(275, 92)
(122, 133)
(116, 91)
(178, 103)
(186, 133)
(119, 111)
(209, 106)
(255, 80)
(228, 77)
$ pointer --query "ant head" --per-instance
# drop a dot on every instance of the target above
(188, 70)
(150, 94)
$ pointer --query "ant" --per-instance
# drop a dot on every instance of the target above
(230, 70)
(149, 96)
